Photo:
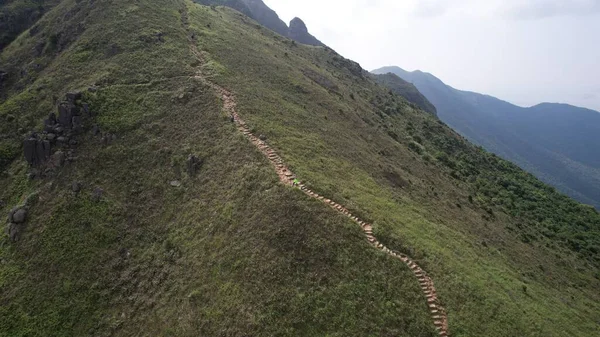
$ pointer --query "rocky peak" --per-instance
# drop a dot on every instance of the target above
(298, 26)
(259, 11)
(299, 32)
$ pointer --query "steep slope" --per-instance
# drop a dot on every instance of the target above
(287, 177)
(405, 89)
(180, 227)
(146, 249)
(556, 142)
(259, 11)
(18, 15)
(266, 16)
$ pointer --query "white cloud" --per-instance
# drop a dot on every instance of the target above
(430, 8)
(539, 9)
(470, 44)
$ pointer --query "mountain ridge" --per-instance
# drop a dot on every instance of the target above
(514, 133)
(406, 90)
(263, 14)
(155, 216)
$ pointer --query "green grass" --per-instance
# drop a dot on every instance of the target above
(482, 227)
(232, 252)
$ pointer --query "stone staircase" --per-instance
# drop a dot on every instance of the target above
(438, 314)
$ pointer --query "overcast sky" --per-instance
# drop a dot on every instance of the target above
(522, 51)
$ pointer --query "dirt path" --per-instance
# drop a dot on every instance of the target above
(438, 313)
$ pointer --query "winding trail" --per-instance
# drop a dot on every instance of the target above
(287, 177)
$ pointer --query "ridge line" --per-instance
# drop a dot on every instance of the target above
(287, 177)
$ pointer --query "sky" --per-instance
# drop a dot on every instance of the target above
(522, 51)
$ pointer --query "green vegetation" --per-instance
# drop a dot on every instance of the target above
(428, 191)
(555, 142)
(407, 90)
(18, 15)
(231, 252)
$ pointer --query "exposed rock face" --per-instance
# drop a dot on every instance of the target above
(36, 150)
(266, 16)
(259, 11)
(299, 32)
(59, 131)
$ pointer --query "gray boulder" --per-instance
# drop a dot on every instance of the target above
(64, 114)
(193, 164)
(97, 194)
(72, 97)
(14, 231)
(58, 159)
(19, 216)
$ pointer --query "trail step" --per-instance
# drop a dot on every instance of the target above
(438, 316)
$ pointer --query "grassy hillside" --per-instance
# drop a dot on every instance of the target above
(555, 142)
(229, 251)
(18, 15)
(405, 89)
(470, 216)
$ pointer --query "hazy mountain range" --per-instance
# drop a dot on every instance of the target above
(557, 142)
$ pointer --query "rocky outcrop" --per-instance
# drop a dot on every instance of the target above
(17, 217)
(259, 11)
(299, 32)
(266, 16)
(49, 149)
(36, 149)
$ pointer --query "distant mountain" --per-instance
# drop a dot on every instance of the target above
(406, 90)
(259, 11)
(557, 142)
